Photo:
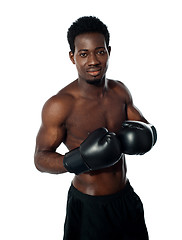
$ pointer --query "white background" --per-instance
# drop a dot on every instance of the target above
(146, 41)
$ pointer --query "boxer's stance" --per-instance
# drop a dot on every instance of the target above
(97, 121)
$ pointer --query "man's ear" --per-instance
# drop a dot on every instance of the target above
(109, 50)
(71, 55)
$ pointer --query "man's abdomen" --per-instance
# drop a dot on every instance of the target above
(102, 182)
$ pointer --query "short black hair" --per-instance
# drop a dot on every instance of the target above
(85, 25)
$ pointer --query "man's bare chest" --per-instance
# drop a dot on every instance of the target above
(86, 116)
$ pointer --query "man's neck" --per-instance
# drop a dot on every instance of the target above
(93, 90)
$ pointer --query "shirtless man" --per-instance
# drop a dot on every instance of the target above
(90, 116)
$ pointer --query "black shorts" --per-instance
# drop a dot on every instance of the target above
(118, 216)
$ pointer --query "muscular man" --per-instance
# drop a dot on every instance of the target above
(96, 119)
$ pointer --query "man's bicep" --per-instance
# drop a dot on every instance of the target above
(49, 138)
(133, 113)
(52, 130)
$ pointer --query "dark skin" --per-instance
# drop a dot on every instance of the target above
(90, 102)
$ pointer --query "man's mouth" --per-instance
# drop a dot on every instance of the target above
(94, 72)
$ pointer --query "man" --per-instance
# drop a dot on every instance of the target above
(97, 121)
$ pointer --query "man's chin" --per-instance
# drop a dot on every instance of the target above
(94, 81)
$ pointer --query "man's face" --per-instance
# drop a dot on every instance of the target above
(91, 57)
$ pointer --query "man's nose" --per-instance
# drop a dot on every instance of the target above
(93, 60)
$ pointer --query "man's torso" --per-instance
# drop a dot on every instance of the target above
(86, 115)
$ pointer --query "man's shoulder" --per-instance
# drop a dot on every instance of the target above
(63, 101)
(118, 86)
(66, 95)
(68, 92)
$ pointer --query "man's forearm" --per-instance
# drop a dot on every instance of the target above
(50, 162)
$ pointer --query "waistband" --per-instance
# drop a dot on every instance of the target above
(104, 198)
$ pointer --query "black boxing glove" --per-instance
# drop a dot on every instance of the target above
(99, 150)
(137, 137)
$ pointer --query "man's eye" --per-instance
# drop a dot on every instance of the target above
(101, 52)
(83, 54)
